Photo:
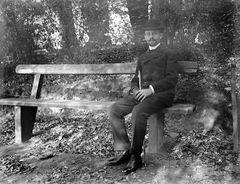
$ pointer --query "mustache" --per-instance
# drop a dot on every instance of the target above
(152, 40)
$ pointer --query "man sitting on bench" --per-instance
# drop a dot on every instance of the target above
(152, 89)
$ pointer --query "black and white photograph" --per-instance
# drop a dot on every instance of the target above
(119, 91)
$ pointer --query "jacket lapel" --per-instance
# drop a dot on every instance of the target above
(149, 55)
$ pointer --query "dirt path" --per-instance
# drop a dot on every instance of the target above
(78, 168)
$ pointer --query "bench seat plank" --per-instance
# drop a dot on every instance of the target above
(94, 105)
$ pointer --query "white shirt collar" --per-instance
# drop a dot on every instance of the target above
(153, 47)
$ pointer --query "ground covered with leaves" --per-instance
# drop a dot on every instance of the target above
(72, 146)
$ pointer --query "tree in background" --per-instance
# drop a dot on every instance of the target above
(95, 15)
(64, 12)
(171, 15)
(20, 31)
(120, 28)
(220, 26)
(198, 23)
(81, 25)
(2, 35)
(138, 13)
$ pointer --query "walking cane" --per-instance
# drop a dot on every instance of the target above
(144, 141)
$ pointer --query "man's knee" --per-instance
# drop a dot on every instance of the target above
(112, 108)
(109, 110)
(139, 112)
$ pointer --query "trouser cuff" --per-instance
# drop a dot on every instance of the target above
(121, 147)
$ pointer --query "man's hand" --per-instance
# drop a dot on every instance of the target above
(140, 95)
(134, 92)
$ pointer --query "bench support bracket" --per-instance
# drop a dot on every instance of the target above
(24, 122)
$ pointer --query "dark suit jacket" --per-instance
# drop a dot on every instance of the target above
(158, 68)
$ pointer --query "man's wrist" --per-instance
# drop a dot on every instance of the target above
(132, 90)
(152, 89)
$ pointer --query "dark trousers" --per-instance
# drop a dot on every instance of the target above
(140, 114)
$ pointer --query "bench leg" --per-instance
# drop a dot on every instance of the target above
(156, 129)
(24, 122)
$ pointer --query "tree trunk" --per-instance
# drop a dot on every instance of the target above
(69, 37)
(96, 21)
(138, 13)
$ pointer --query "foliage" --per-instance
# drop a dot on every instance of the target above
(75, 30)
(114, 54)
(24, 34)
(6, 128)
(200, 30)
(220, 25)
(96, 16)
(138, 13)
(205, 26)
(13, 165)
(63, 10)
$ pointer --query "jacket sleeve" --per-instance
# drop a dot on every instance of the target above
(135, 79)
(171, 78)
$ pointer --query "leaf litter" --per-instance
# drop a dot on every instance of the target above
(73, 147)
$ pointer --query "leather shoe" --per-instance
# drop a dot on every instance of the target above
(134, 163)
(120, 159)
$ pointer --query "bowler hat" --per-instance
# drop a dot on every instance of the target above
(153, 24)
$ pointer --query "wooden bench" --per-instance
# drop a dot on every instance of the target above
(26, 109)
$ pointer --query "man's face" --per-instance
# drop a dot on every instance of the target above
(153, 37)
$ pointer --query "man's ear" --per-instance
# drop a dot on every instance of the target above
(161, 35)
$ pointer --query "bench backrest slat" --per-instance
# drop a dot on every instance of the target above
(88, 69)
